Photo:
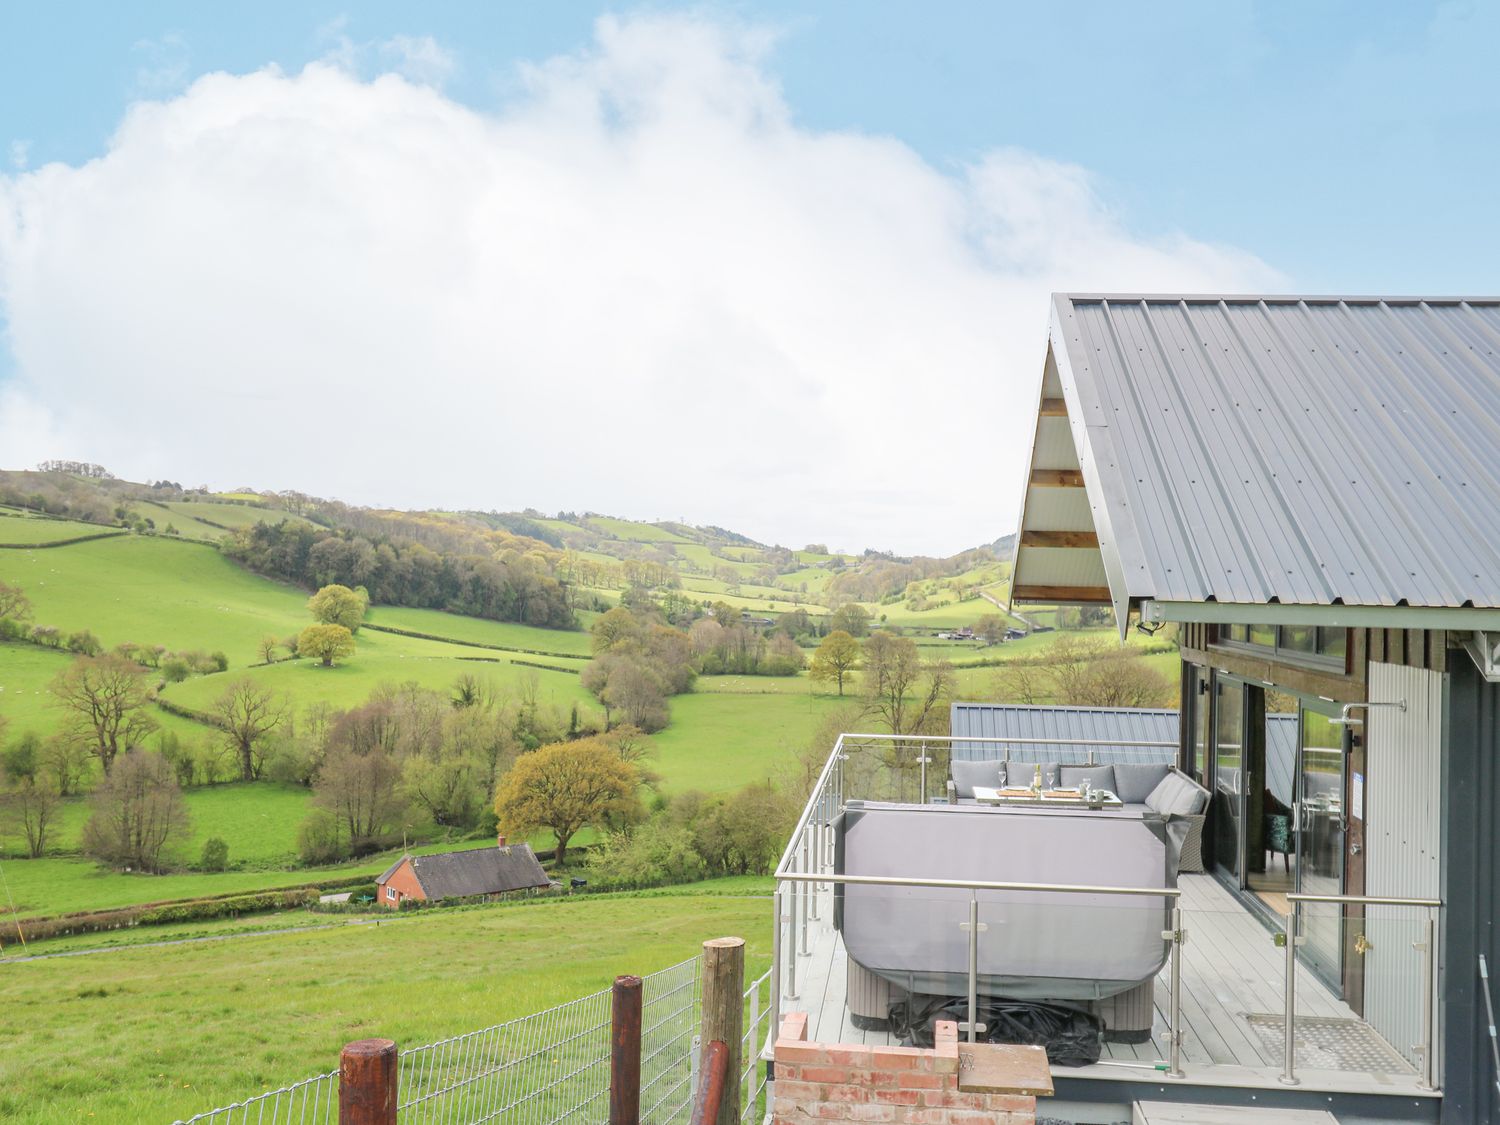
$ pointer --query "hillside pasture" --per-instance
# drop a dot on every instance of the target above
(151, 590)
(25, 531)
(505, 634)
(230, 516)
(385, 658)
(633, 531)
(721, 741)
(163, 1033)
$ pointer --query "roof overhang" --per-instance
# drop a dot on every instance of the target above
(1336, 616)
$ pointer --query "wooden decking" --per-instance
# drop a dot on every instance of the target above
(1231, 968)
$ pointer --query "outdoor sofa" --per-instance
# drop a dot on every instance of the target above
(1146, 788)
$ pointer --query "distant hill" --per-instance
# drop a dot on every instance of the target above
(588, 551)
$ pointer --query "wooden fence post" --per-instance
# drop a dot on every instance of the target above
(724, 1014)
(625, 1052)
(367, 1083)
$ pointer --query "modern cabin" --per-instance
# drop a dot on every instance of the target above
(501, 871)
(1307, 490)
(1305, 494)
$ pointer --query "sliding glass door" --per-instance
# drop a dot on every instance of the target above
(1229, 776)
(1320, 842)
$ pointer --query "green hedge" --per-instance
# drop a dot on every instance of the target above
(158, 915)
(471, 644)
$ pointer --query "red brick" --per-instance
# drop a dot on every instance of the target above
(797, 1091)
(788, 1070)
(845, 1055)
(899, 1058)
(793, 1026)
(895, 1097)
(828, 1074)
(871, 1113)
(916, 1080)
(795, 1051)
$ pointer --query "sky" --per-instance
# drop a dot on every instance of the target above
(778, 267)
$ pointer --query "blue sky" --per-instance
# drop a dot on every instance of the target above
(1354, 145)
(781, 209)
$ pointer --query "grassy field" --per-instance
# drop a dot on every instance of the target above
(384, 658)
(507, 634)
(150, 1034)
(232, 516)
(151, 590)
(34, 530)
(634, 531)
(723, 741)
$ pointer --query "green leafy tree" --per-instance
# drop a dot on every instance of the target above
(835, 659)
(852, 618)
(326, 643)
(565, 787)
(215, 854)
(339, 605)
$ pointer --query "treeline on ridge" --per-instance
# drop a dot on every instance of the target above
(512, 582)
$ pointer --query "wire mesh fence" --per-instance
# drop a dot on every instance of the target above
(313, 1101)
(552, 1068)
(548, 1068)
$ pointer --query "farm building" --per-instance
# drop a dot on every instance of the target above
(1308, 489)
(487, 872)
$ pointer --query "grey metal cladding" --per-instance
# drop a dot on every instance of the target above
(1296, 450)
(1088, 724)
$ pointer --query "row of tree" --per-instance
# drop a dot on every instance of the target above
(515, 583)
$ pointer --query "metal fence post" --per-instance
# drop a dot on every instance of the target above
(368, 1070)
(973, 926)
(724, 1014)
(1289, 1016)
(625, 1052)
(776, 956)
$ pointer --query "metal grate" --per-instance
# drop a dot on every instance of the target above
(1331, 1043)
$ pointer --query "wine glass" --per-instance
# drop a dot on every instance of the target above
(1049, 777)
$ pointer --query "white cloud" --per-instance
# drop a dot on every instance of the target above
(641, 288)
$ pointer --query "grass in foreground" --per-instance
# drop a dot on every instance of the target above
(159, 1033)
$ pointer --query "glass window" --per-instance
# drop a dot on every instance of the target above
(1228, 790)
(1299, 638)
(1236, 633)
(1333, 643)
(1264, 635)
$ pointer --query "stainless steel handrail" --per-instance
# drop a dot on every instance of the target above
(1367, 900)
(976, 885)
(1005, 739)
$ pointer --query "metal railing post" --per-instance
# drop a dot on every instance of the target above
(1429, 1071)
(1174, 1016)
(776, 957)
(803, 945)
(809, 860)
(974, 927)
(923, 760)
(1289, 1016)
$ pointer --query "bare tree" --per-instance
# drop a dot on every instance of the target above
(106, 697)
(249, 714)
(14, 604)
(29, 800)
(908, 696)
(137, 812)
(363, 792)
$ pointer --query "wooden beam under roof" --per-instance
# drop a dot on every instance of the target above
(1059, 539)
(1054, 408)
(1071, 595)
(1057, 478)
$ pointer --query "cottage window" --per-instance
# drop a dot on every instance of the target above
(390, 893)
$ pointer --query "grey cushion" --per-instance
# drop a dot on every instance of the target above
(1136, 780)
(1100, 777)
(1177, 796)
(966, 775)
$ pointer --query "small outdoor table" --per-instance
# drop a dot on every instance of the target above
(1050, 798)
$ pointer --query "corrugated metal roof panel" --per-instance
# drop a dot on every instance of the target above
(1088, 724)
(1306, 451)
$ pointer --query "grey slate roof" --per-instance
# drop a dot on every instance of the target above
(478, 871)
(1254, 450)
(1093, 724)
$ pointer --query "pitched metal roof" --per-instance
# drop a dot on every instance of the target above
(1266, 451)
(478, 871)
(1087, 724)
